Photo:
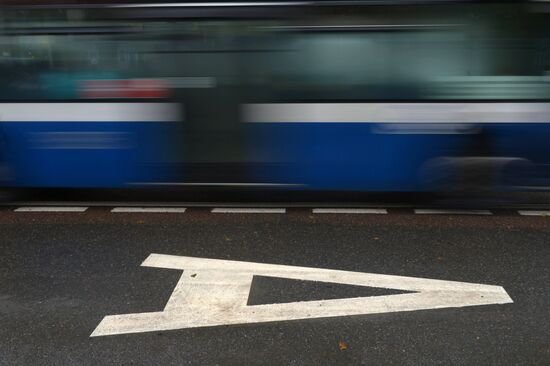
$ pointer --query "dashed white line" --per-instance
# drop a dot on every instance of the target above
(452, 212)
(50, 209)
(350, 211)
(533, 213)
(248, 210)
(150, 209)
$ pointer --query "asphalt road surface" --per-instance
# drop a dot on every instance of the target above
(61, 273)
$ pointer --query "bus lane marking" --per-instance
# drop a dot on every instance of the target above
(214, 292)
(248, 210)
(534, 213)
(451, 212)
(50, 209)
(376, 211)
(149, 209)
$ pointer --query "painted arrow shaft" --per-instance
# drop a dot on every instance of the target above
(192, 264)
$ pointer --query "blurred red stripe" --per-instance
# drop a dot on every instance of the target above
(124, 88)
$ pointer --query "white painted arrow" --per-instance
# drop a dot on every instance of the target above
(214, 292)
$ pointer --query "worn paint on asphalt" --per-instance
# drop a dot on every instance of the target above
(213, 292)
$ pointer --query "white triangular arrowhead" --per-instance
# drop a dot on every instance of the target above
(214, 292)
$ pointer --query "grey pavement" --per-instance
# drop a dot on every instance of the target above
(61, 273)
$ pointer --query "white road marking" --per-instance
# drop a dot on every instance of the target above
(50, 209)
(248, 210)
(452, 212)
(213, 292)
(533, 213)
(212, 4)
(150, 209)
(350, 211)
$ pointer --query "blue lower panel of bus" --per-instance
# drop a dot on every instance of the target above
(325, 156)
(87, 154)
(386, 157)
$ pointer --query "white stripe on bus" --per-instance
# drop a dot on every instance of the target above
(89, 112)
(498, 112)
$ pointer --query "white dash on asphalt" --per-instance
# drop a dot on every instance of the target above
(452, 212)
(150, 209)
(350, 211)
(248, 210)
(533, 213)
(50, 209)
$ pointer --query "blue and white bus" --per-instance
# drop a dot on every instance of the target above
(294, 95)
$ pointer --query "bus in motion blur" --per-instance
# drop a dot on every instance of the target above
(318, 95)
